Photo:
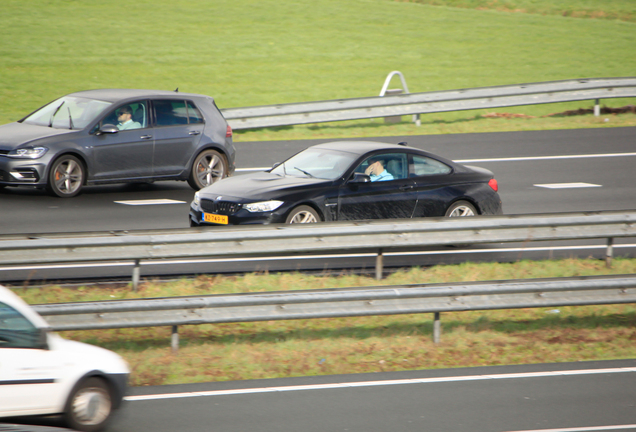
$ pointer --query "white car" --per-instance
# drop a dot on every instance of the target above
(43, 374)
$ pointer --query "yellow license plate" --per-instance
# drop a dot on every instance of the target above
(214, 218)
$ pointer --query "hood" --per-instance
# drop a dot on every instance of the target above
(261, 185)
(14, 134)
(97, 357)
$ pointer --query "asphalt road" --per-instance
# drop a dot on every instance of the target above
(564, 397)
(25, 210)
(538, 172)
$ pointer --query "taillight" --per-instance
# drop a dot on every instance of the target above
(493, 184)
(228, 132)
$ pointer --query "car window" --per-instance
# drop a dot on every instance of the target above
(316, 163)
(170, 112)
(135, 116)
(423, 166)
(68, 113)
(395, 166)
(194, 115)
(16, 331)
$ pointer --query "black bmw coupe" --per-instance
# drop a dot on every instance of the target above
(349, 180)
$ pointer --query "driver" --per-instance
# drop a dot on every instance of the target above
(124, 116)
(376, 170)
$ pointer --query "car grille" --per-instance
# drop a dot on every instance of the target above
(220, 207)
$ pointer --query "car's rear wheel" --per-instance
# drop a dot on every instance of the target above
(66, 177)
(303, 214)
(461, 209)
(89, 406)
(209, 166)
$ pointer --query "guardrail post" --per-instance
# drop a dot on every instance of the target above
(174, 341)
(437, 328)
(135, 276)
(609, 253)
(597, 107)
(379, 265)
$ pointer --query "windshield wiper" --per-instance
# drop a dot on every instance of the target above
(55, 112)
(70, 119)
(304, 172)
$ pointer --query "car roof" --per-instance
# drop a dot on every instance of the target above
(113, 95)
(361, 147)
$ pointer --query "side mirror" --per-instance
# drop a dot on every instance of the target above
(360, 178)
(275, 165)
(107, 129)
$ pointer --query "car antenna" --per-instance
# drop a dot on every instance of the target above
(403, 143)
(176, 90)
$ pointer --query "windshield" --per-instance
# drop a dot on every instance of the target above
(316, 163)
(68, 113)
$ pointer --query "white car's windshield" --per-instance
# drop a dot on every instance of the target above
(316, 163)
(68, 113)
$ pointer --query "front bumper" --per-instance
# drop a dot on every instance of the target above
(241, 217)
(18, 172)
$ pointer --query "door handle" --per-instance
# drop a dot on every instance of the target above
(406, 187)
(146, 137)
(194, 133)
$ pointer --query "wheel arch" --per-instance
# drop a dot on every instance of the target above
(467, 199)
(311, 204)
(69, 152)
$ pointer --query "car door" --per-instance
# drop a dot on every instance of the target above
(433, 185)
(178, 128)
(382, 199)
(30, 373)
(127, 153)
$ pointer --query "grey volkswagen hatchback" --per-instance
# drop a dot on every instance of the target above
(117, 136)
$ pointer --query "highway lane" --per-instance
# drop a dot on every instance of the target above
(486, 399)
(32, 211)
(523, 162)
(557, 397)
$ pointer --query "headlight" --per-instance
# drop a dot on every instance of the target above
(264, 206)
(196, 199)
(28, 152)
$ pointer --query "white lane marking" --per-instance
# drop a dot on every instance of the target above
(309, 257)
(150, 202)
(575, 185)
(533, 158)
(584, 429)
(380, 383)
(510, 159)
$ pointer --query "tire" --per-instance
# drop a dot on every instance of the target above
(66, 177)
(89, 407)
(208, 167)
(303, 214)
(461, 209)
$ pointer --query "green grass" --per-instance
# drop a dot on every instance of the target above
(364, 344)
(265, 52)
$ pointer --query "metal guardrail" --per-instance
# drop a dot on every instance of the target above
(430, 102)
(334, 237)
(348, 302)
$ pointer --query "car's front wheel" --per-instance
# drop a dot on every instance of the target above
(89, 406)
(209, 166)
(461, 209)
(303, 214)
(66, 177)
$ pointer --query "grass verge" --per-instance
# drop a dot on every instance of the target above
(369, 344)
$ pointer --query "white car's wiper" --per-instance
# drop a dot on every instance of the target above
(304, 172)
